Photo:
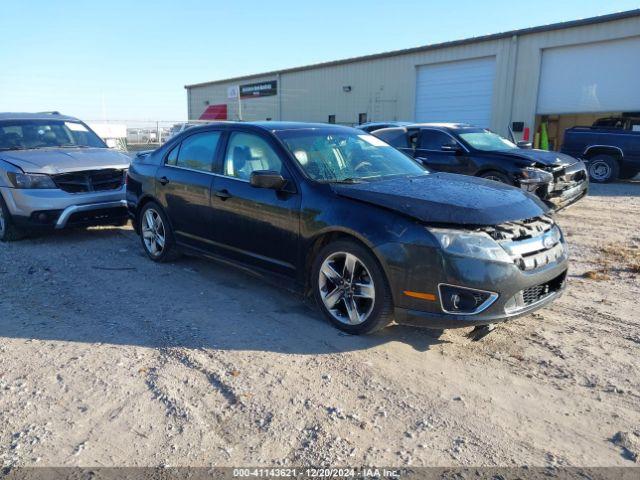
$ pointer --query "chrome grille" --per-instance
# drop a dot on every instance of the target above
(90, 181)
(532, 243)
(568, 177)
(522, 229)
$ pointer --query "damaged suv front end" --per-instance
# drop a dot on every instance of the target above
(55, 172)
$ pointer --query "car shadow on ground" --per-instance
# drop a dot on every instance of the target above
(125, 299)
(621, 188)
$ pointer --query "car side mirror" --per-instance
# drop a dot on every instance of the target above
(267, 179)
(524, 144)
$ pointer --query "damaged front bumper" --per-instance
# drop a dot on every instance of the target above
(49, 209)
(569, 184)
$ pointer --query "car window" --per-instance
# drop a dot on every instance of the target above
(330, 155)
(248, 153)
(487, 141)
(197, 151)
(172, 157)
(395, 137)
(32, 134)
(434, 140)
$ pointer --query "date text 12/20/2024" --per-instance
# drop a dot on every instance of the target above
(365, 472)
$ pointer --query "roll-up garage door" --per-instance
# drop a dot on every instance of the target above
(596, 77)
(456, 91)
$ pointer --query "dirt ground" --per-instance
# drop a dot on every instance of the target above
(109, 359)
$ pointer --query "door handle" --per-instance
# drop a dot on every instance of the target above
(163, 180)
(222, 194)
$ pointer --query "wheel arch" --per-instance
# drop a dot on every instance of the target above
(321, 239)
(144, 199)
(492, 168)
(593, 150)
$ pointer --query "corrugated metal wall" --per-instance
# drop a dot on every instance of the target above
(384, 88)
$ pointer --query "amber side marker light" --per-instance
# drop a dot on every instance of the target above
(420, 295)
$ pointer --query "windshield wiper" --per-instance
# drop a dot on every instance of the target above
(12, 148)
(348, 180)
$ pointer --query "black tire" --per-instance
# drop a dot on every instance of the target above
(8, 230)
(628, 172)
(603, 168)
(380, 310)
(168, 252)
(496, 177)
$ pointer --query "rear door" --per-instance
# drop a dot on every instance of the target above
(183, 186)
(440, 151)
(257, 226)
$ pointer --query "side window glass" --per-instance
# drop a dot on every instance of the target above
(247, 153)
(395, 138)
(172, 158)
(434, 140)
(197, 151)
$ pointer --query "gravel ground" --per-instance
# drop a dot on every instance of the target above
(109, 359)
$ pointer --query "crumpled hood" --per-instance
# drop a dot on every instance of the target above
(448, 198)
(52, 161)
(553, 159)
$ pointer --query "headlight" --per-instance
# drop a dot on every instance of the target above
(535, 175)
(31, 180)
(470, 244)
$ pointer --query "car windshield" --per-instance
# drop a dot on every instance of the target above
(487, 141)
(31, 134)
(342, 156)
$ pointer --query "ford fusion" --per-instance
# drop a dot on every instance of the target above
(350, 220)
(557, 179)
(56, 172)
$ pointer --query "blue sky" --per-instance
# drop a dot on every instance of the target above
(129, 60)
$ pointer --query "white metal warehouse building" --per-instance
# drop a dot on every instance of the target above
(564, 74)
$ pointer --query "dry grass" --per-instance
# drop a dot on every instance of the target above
(596, 275)
(616, 258)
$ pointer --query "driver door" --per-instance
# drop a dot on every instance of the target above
(441, 152)
(257, 226)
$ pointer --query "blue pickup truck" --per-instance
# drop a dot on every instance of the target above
(610, 147)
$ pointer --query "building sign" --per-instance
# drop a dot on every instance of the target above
(232, 92)
(262, 89)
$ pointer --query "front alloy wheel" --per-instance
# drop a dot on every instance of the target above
(8, 231)
(351, 289)
(346, 288)
(156, 234)
(153, 232)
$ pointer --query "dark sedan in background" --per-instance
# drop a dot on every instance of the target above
(343, 216)
(557, 179)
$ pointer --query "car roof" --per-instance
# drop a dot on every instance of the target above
(36, 116)
(390, 122)
(441, 126)
(451, 125)
(271, 126)
(279, 126)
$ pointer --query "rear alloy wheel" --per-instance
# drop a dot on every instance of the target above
(156, 234)
(351, 289)
(8, 231)
(603, 169)
(497, 177)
